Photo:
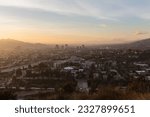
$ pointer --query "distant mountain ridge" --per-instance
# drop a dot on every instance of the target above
(12, 44)
(141, 44)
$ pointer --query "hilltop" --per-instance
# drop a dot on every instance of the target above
(14, 44)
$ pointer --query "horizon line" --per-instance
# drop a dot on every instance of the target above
(73, 43)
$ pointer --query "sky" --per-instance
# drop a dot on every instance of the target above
(75, 21)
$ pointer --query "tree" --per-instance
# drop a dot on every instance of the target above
(7, 95)
(69, 88)
(18, 72)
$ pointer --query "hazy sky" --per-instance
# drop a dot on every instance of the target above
(75, 21)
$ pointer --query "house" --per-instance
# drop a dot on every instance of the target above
(75, 59)
(141, 64)
(58, 63)
(82, 85)
(147, 78)
(96, 75)
(68, 68)
(88, 64)
(141, 72)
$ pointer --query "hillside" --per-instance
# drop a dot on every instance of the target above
(142, 44)
(14, 44)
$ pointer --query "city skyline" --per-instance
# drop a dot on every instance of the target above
(76, 21)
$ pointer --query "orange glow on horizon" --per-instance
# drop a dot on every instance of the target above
(70, 37)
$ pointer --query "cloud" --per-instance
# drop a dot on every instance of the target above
(140, 33)
(63, 7)
(111, 10)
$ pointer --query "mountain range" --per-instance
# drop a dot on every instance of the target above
(143, 44)
(12, 44)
